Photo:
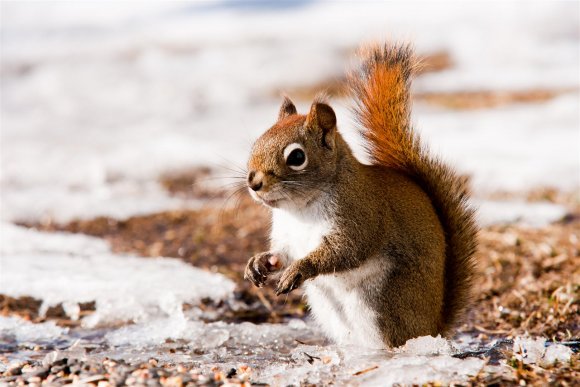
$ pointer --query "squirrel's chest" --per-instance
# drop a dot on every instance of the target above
(297, 235)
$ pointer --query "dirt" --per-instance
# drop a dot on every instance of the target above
(220, 239)
(483, 99)
(528, 282)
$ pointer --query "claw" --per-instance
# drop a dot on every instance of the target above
(257, 269)
(286, 287)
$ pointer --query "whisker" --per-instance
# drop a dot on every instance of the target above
(236, 194)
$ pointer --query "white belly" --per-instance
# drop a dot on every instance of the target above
(340, 310)
(336, 304)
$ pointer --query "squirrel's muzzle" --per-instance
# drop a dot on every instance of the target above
(255, 180)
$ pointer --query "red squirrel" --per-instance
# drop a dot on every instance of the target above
(385, 251)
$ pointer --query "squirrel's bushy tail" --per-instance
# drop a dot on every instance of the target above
(381, 89)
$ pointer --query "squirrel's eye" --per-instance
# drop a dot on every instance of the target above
(295, 157)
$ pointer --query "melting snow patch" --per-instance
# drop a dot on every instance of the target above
(22, 331)
(428, 345)
(21, 240)
(420, 370)
(156, 332)
(71, 269)
(556, 353)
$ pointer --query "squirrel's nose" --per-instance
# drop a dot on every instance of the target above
(255, 180)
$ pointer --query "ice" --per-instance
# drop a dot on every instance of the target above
(556, 353)
(100, 99)
(421, 370)
(529, 350)
(156, 332)
(70, 269)
(421, 360)
(534, 351)
(23, 331)
(277, 357)
(428, 345)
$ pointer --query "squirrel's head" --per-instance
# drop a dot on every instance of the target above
(294, 159)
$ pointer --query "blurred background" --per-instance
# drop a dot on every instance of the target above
(117, 116)
(100, 98)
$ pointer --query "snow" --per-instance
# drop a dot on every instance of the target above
(99, 99)
(539, 214)
(512, 148)
(428, 345)
(17, 240)
(72, 269)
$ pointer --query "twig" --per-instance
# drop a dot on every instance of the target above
(265, 301)
(495, 332)
(365, 371)
(311, 358)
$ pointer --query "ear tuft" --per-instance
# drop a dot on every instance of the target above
(287, 109)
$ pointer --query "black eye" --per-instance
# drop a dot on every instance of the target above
(296, 158)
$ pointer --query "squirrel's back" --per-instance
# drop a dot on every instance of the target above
(382, 92)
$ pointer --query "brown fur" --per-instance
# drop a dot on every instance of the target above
(407, 212)
(382, 88)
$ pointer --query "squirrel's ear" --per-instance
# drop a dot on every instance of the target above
(287, 109)
(322, 116)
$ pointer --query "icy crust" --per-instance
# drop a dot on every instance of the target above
(22, 331)
(70, 269)
(534, 351)
(277, 354)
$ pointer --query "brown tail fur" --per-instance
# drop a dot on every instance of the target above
(382, 89)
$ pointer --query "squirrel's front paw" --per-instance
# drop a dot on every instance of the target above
(293, 277)
(260, 266)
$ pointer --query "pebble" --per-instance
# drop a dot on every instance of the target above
(174, 381)
(14, 371)
(40, 373)
(113, 373)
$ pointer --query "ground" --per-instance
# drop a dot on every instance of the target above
(116, 118)
(528, 278)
